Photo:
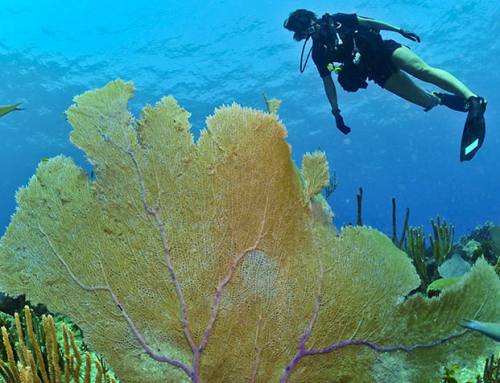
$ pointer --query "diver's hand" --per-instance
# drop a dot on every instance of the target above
(409, 35)
(340, 122)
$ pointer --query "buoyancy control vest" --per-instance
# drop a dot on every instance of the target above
(357, 49)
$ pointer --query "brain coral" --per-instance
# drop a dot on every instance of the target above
(204, 262)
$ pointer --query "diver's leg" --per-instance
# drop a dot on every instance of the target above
(402, 85)
(408, 61)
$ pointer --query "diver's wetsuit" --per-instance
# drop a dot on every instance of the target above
(376, 62)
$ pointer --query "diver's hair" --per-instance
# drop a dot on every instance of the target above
(299, 20)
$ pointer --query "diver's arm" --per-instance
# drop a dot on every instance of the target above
(375, 24)
(381, 26)
(331, 94)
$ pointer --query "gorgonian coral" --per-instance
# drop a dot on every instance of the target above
(205, 262)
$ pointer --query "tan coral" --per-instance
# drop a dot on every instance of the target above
(315, 172)
(205, 257)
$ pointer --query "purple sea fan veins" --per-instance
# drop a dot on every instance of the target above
(206, 261)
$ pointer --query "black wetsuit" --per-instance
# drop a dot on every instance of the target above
(375, 62)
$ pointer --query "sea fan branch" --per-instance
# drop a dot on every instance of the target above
(116, 301)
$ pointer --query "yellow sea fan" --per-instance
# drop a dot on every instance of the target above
(199, 261)
(315, 172)
(272, 105)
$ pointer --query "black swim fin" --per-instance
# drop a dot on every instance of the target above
(452, 101)
(475, 128)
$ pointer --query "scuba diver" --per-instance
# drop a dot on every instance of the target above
(355, 42)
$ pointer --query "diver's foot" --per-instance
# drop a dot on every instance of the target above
(475, 128)
(452, 101)
(476, 105)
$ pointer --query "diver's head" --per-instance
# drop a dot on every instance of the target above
(302, 22)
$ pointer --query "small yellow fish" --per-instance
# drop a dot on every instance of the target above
(9, 108)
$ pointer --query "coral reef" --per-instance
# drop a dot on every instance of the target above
(206, 261)
(491, 372)
(415, 248)
(426, 260)
(272, 105)
(487, 372)
(472, 250)
(41, 350)
(315, 173)
(483, 241)
(441, 240)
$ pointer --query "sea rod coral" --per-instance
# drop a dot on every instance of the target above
(205, 261)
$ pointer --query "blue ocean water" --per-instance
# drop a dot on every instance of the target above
(218, 51)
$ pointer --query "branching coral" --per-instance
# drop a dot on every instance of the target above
(426, 262)
(204, 262)
(415, 248)
(442, 240)
(35, 351)
(491, 372)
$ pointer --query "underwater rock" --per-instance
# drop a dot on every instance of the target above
(206, 261)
